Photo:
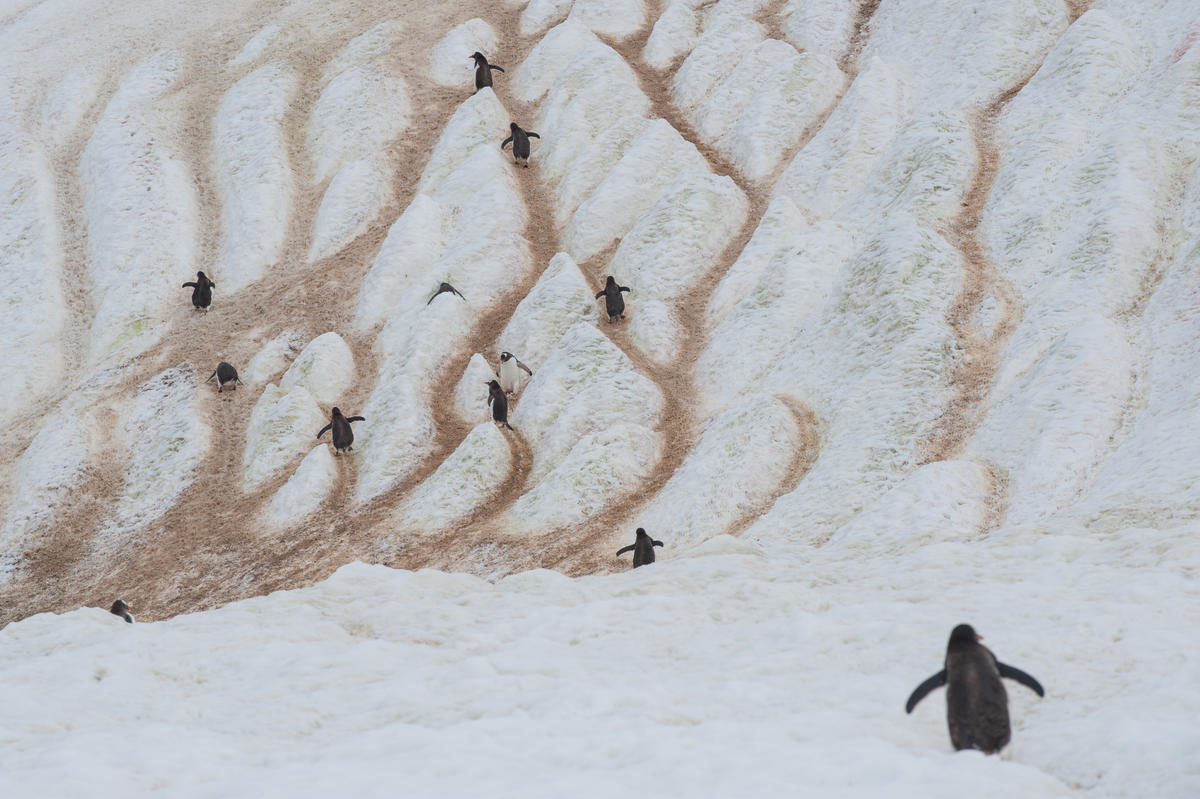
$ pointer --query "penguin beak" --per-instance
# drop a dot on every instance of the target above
(978, 637)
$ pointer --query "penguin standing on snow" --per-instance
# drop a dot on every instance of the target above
(976, 702)
(643, 548)
(201, 291)
(499, 404)
(119, 608)
(614, 303)
(343, 436)
(224, 373)
(483, 70)
(520, 143)
(445, 288)
(510, 372)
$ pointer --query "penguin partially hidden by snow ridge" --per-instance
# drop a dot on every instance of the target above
(119, 608)
(499, 404)
(614, 303)
(343, 436)
(445, 288)
(643, 548)
(510, 372)
(520, 143)
(224, 373)
(483, 70)
(201, 291)
(976, 702)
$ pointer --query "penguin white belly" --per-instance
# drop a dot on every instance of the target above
(510, 375)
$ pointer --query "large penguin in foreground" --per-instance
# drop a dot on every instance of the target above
(643, 548)
(976, 702)
(343, 436)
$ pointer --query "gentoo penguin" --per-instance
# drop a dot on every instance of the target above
(510, 372)
(343, 436)
(483, 70)
(520, 143)
(119, 608)
(224, 373)
(442, 289)
(643, 548)
(201, 291)
(499, 404)
(614, 303)
(976, 703)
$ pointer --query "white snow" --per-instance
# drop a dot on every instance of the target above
(675, 34)
(282, 426)
(559, 300)
(253, 174)
(450, 61)
(464, 481)
(471, 394)
(325, 368)
(305, 491)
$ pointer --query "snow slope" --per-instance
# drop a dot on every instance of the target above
(910, 342)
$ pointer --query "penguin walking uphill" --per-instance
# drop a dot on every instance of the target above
(614, 303)
(643, 548)
(343, 436)
(510, 372)
(119, 608)
(499, 404)
(520, 143)
(483, 70)
(976, 702)
(201, 291)
(224, 373)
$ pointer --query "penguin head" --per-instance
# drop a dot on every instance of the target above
(201, 276)
(641, 533)
(477, 57)
(611, 281)
(514, 127)
(504, 356)
(963, 636)
(119, 607)
(337, 411)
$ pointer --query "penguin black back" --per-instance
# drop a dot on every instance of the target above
(201, 291)
(445, 288)
(119, 608)
(520, 142)
(339, 425)
(976, 702)
(614, 303)
(483, 70)
(499, 403)
(224, 373)
(643, 548)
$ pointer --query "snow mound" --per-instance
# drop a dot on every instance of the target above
(306, 490)
(471, 394)
(674, 35)
(472, 474)
(282, 426)
(325, 368)
(559, 300)
(450, 61)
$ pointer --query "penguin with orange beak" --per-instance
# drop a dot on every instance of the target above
(976, 702)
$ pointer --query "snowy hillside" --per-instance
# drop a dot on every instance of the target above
(911, 341)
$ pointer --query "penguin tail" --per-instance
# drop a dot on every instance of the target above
(210, 377)
(509, 426)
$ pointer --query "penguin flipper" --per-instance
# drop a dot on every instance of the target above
(1013, 673)
(356, 419)
(623, 550)
(459, 293)
(509, 426)
(532, 135)
(493, 66)
(936, 681)
(657, 543)
(210, 377)
(599, 294)
(189, 285)
(528, 371)
(505, 143)
(323, 429)
(623, 288)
